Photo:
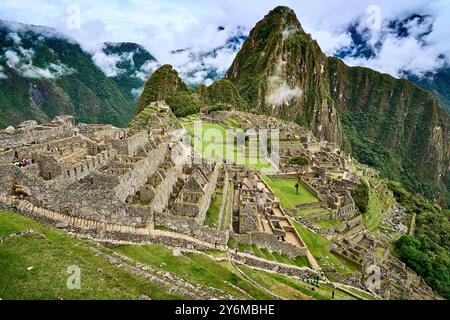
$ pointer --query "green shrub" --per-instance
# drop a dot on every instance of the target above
(361, 196)
(300, 161)
(184, 103)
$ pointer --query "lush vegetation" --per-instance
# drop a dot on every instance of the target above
(427, 249)
(361, 196)
(437, 82)
(184, 103)
(379, 203)
(371, 126)
(82, 90)
(196, 269)
(221, 95)
(299, 160)
(165, 84)
(128, 79)
(390, 163)
(34, 266)
(318, 246)
(212, 215)
(293, 289)
(161, 85)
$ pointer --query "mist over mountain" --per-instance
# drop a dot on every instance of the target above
(432, 73)
(205, 66)
(44, 74)
(128, 64)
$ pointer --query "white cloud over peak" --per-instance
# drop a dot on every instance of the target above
(107, 62)
(146, 70)
(163, 26)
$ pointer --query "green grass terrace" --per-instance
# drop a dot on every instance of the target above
(285, 190)
(211, 142)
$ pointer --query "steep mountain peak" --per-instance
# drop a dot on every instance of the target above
(160, 86)
(284, 15)
(281, 70)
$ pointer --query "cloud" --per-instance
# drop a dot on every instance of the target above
(278, 91)
(15, 37)
(283, 94)
(137, 92)
(405, 44)
(397, 56)
(107, 62)
(18, 28)
(110, 63)
(21, 61)
(146, 70)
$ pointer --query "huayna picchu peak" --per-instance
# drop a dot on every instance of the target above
(160, 86)
(388, 123)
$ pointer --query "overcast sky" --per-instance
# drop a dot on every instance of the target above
(162, 26)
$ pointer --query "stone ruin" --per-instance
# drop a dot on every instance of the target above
(259, 219)
(125, 184)
(104, 178)
(329, 178)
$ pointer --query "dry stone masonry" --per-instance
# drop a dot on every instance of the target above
(141, 185)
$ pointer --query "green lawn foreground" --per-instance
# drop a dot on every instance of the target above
(34, 266)
(293, 289)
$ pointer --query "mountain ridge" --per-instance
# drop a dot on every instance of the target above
(389, 123)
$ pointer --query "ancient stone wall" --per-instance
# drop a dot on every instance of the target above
(208, 195)
(223, 205)
(163, 190)
(27, 208)
(34, 135)
(289, 270)
(87, 166)
(270, 242)
(108, 232)
(190, 226)
(130, 183)
(131, 145)
(350, 224)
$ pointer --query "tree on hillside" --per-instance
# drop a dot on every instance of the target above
(361, 196)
